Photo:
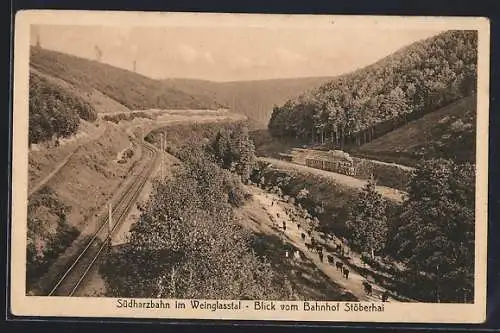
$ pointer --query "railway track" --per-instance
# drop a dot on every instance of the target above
(76, 273)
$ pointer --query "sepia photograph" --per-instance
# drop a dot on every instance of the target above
(252, 167)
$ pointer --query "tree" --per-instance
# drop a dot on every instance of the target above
(367, 220)
(244, 152)
(234, 150)
(437, 237)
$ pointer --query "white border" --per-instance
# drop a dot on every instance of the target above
(23, 305)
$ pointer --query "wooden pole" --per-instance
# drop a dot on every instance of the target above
(162, 144)
(110, 222)
(437, 284)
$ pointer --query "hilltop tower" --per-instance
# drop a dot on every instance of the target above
(98, 53)
(38, 43)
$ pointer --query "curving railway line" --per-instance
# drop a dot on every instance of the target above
(76, 273)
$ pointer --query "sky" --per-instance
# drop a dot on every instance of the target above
(219, 53)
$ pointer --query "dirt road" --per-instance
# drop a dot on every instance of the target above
(386, 192)
(278, 210)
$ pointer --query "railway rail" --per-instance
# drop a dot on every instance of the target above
(75, 274)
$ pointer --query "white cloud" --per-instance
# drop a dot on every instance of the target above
(208, 57)
(241, 62)
(288, 57)
(188, 53)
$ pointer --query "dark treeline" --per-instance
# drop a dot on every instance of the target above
(432, 232)
(228, 144)
(357, 107)
(54, 112)
(179, 136)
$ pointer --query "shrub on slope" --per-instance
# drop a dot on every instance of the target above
(54, 112)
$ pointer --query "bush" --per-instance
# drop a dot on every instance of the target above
(126, 116)
(237, 195)
(40, 258)
(386, 174)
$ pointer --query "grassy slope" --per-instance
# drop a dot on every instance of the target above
(130, 89)
(448, 132)
(100, 102)
(255, 99)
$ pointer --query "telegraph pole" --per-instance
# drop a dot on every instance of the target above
(438, 296)
(38, 43)
(162, 162)
(98, 53)
(163, 155)
(110, 223)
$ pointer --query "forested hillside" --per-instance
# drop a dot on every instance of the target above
(357, 107)
(133, 90)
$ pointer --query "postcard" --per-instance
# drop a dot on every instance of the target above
(313, 168)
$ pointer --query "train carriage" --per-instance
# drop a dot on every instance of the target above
(337, 161)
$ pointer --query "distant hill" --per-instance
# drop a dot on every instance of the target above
(449, 132)
(132, 90)
(255, 99)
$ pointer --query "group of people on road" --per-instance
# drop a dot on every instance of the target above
(314, 245)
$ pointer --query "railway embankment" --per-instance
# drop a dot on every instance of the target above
(67, 208)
